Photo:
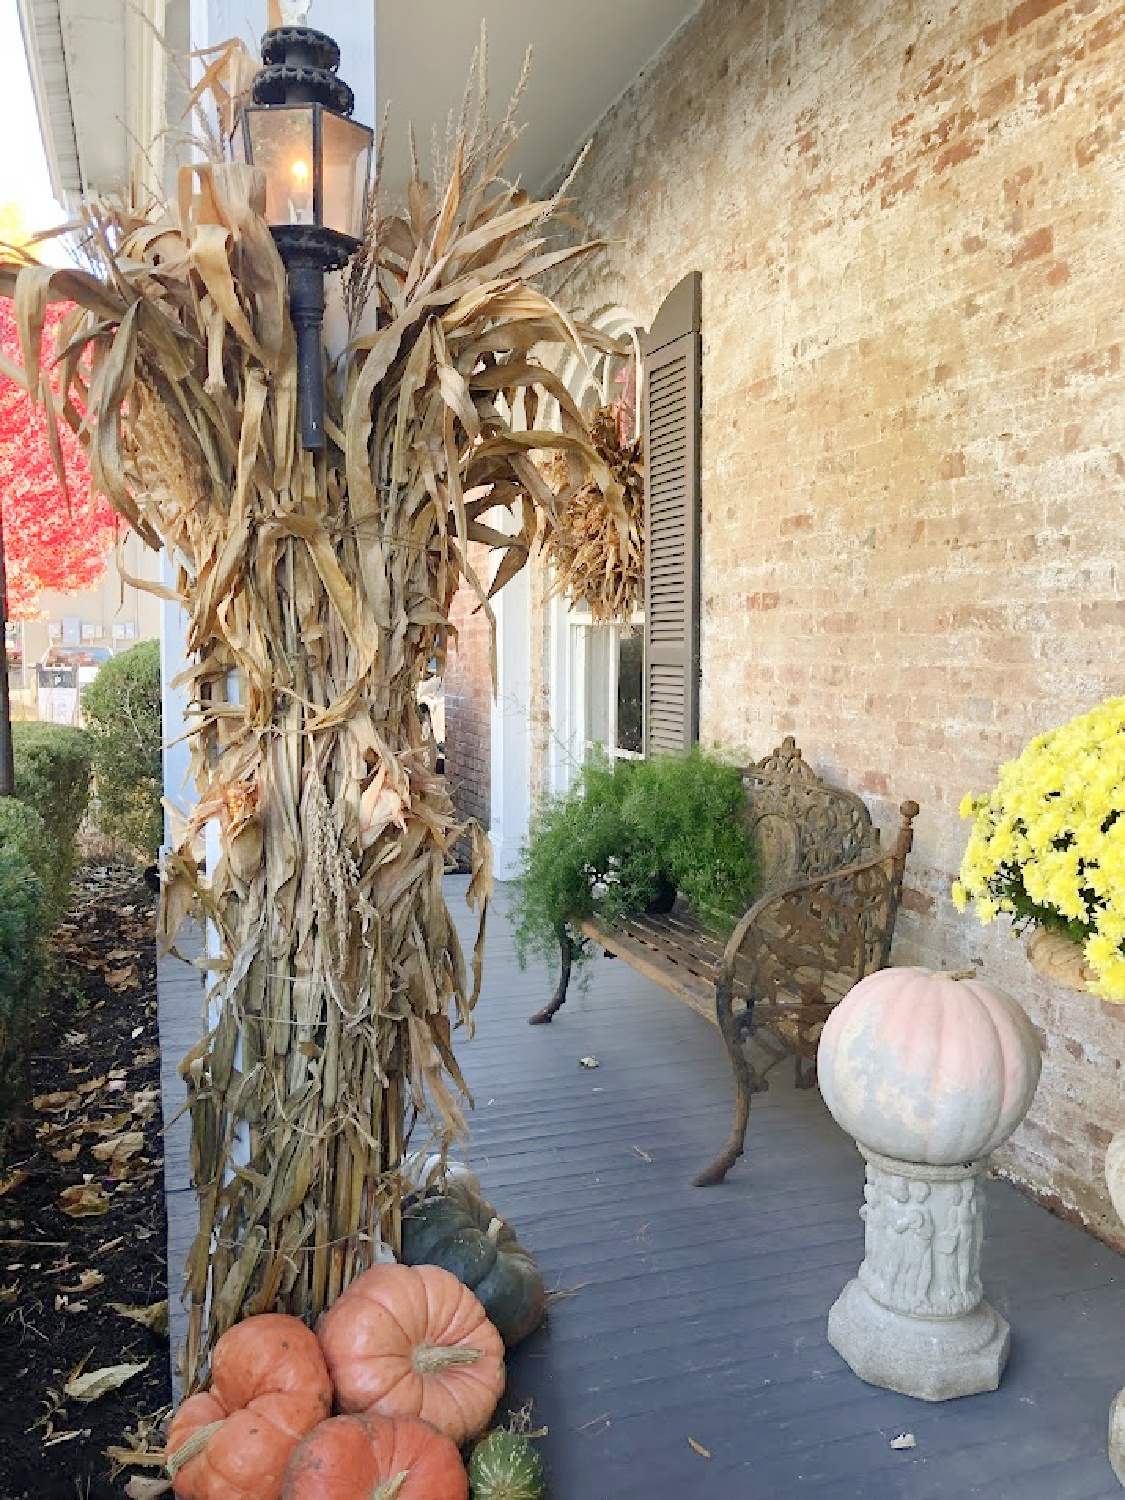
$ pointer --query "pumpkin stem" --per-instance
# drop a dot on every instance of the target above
(195, 1445)
(431, 1359)
(494, 1229)
(956, 974)
(390, 1487)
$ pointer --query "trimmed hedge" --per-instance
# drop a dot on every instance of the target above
(122, 708)
(53, 776)
(25, 862)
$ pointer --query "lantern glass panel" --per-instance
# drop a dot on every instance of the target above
(281, 144)
(346, 156)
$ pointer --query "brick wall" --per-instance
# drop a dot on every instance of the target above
(468, 701)
(909, 220)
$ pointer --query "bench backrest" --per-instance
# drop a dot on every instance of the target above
(801, 826)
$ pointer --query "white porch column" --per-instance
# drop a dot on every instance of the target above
(511, 725)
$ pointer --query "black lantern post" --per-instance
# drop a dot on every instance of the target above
(317, 162)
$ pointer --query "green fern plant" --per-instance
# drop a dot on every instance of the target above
(624, 839)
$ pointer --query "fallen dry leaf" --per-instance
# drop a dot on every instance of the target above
(108, 1124)
(96, 1383)
(118, 1148)
(67, 1153)
(154, 1316)
(141, 1487)
(92, 1084)
(64, 1437)
(8, 1294)
(84, 1201)
(135, 1033)
(64, 1304)
(52, 1103)
(698, 1448)
(87, 1281)
(123, 979)
(12, 1181)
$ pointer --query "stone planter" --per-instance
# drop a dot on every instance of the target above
(930, 1073)
(1058, 958)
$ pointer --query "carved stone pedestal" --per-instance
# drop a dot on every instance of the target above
(913, 1320)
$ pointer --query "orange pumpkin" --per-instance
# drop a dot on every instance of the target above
(412, 1341)
(375, 1458)
(269, 1386)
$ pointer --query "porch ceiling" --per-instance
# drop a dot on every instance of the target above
(585, 53)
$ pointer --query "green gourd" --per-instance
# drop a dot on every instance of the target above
(457, 1230)
(505, 1466)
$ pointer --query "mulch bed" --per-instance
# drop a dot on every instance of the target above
(89, 1142)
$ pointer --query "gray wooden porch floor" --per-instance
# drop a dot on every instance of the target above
(700, 1313)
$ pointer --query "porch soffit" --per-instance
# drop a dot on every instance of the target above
(46, 59)
(585, 53)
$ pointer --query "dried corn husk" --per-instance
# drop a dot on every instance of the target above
(596, 545)
(316, 590)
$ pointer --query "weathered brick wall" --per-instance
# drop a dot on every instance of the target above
(468, 702)
(909, 218)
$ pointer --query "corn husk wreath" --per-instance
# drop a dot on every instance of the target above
(596, 546)
(316, 592)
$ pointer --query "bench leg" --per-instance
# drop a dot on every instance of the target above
(566, 954)
(746, 1083)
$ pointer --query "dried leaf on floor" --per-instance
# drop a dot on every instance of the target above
(86, 1282)
(67, 1153)
(9, 1183)
(97, 1383)
(698, 1448)
(154, 1316)
(118, 1148)
(142, 1487)
(84, 1200)
(52, 1103)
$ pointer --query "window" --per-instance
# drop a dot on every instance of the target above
(613, 682)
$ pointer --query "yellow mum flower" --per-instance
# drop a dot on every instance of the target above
(1049, 840)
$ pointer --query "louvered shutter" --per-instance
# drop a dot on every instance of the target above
(672, 439)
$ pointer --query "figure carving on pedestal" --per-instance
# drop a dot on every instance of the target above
(915, 1227)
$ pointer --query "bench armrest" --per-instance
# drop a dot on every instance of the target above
(843, 920)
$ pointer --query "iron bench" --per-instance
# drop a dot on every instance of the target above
(825, 919)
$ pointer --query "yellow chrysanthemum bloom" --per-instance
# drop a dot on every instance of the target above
(1047, 844)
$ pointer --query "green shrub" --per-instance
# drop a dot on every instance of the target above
(53, 777)
(22, 832)
(122, 708)
(625, 838)
(24, 855)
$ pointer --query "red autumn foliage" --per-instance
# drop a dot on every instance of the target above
(46, 544)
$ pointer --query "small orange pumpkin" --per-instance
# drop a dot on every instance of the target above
(375, 1458)
(269, 1386)
(412, 1341)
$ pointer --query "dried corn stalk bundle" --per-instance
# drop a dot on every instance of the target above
(316, 590)
(596, 545)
